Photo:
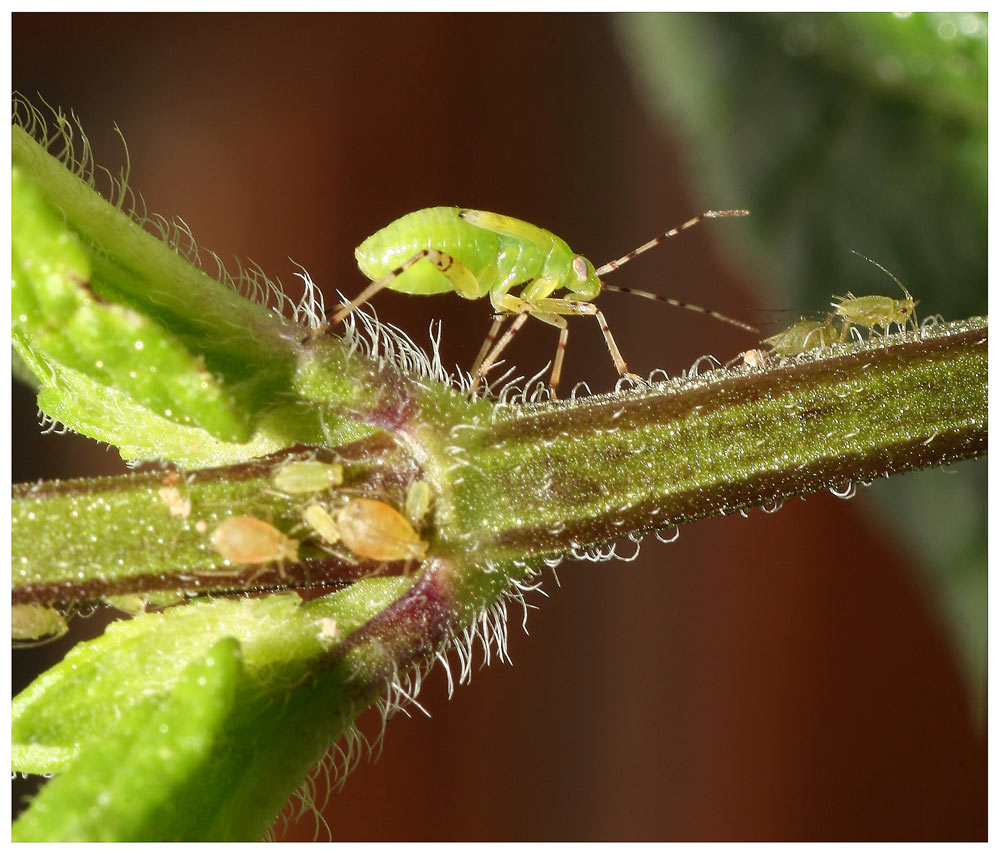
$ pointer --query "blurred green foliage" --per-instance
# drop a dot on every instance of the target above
(852, 131)
(838, 131)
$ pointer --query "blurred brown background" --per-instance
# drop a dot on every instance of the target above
(776, 677)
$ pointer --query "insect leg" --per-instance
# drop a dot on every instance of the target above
(570, 306)
(560, 322)
(501, 345)
(490, 337)
(370, 291)
(461, 278)
(560, 353)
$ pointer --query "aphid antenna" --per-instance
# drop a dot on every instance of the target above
(611, 266)
(889, 273)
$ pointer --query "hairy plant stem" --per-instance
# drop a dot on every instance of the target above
(530, 483)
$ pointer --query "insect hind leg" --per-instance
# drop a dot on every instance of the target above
(490, 358)
(488, 343)
(461, 278)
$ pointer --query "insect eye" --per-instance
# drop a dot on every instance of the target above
(580, 268)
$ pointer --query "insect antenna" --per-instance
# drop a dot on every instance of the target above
(678, 304)
(890, 274)
(656, 241)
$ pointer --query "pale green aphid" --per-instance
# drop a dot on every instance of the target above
(478, 254)
(872, 312)
(417, 502)
(804, 335)
(302, 477)
(319, 519)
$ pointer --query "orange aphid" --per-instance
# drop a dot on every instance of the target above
(244, 539)
(373, 529)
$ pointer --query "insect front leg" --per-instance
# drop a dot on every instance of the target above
(552, 305)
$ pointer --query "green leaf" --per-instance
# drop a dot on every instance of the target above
(136, 662)
(95, 294)
(56, 308)
(124, 787)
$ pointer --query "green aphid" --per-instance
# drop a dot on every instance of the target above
(803, 335)
(303, 477)
(873, 312)
(319, 519)
(417, 502)
(478, 254)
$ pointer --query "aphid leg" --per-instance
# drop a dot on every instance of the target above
(500, 346)
(460, 276)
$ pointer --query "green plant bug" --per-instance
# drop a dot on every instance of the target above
(478, 254)
(872, 312)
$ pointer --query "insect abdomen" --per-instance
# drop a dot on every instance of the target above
(489, 256)
(390, 247)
